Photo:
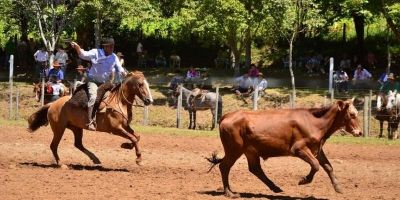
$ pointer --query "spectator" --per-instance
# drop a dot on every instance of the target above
(383, 78)
(361, 77)
(243, 85)
(160, 60)
(176, 79)
(81, 75)
(56, 71)
(121, 59)
(139, 52)
(192, 74)
(341, 80)
(262, 84)
(361, 74)
(41, 57)
(62, 57)
(175, 60)
(54, 88)
(253, 71)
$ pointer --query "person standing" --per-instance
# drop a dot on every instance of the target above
(103, 70)
(41, 57)
(62, 57)
(139, 52)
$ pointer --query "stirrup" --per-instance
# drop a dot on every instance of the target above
(91, 125)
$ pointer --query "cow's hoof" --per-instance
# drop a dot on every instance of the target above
(338, 189)
(304, 181)
(277, 190)
(139, 161)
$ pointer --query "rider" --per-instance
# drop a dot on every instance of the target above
(105, 65)
(389, 85)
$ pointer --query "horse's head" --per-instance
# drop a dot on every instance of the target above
(176, 90)
(349, 113)
(391, 100)
(137, 85)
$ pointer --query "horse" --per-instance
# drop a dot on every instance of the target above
(204, 101)
(296, 132)
(115, 118)
(393, 109)
(37, 89)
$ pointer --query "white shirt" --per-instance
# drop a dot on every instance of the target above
(262, 85)
(102, 66)
(362, 75)
(57, 89)
(61, 57)
(41, 56)
(244, 82)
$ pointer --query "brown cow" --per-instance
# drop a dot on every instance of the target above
(285, 132)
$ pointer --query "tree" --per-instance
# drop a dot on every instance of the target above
(291, 18)
(391, 11)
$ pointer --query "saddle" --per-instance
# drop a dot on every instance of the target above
(198, 93)
(80, 96)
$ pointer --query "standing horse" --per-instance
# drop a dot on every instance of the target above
(206, 101)
(62, 114)
(393, 109)
(284, 132)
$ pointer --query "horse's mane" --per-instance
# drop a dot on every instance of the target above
(319, 112)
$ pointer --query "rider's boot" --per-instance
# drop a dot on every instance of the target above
(91, 126)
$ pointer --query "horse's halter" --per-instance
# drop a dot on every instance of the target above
(145, 85)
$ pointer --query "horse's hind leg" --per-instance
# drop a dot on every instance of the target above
(55, 142)
(255, 168)
(213, 118)
(78, 134)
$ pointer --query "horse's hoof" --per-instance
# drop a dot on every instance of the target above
(127, 145)
(139, 162)
(231, 195)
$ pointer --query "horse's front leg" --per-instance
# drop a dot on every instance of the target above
(194, 119)
(129, 134)
(190, 119)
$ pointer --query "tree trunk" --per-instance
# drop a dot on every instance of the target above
(248, 48)
(291, 71)
(236, 62)
(359, 23)
(344, 33)
(389, 21)
(97, 29)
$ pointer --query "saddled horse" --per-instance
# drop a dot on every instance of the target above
(115, 118)
(297, 132)
(393, 109)
(37, 89)
(205, 100)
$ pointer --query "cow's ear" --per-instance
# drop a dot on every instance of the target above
(340, 105)
(352, 100)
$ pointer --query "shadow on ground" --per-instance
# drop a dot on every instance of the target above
(75, 167)
(251, 195)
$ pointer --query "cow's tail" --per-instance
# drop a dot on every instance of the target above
(214, 160)
(38, 119)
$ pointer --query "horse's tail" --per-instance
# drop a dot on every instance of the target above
(38, 119)
(214, 160)
(219, 111)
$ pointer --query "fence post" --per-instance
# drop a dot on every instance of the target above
(325, 101)
(216, 106)
(42, 93)
(331, 63)
(332, 95)
(145, 115)
(178, 108)
(255, 98)
(369, 111)
(74, 87)
(365, 117)
(17, 105)
(291, 100)
(11, 86)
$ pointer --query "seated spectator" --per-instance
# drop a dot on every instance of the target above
(341, 80)
(160, 60)
(383, 78)
(253, 71)
(175, 60)
(56, 71)
(262, 84)
(361, 74)
(361, 77)
(243, 85)
(176, 80)
(192, 74)
(54, 89)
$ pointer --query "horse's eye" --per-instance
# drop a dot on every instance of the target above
(353, 115)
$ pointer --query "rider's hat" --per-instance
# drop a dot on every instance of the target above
(107, 41)
(56, 64)
(391, 76)
(80, 67)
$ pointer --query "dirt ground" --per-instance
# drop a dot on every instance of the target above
(175, 168)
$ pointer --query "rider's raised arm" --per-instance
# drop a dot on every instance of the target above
(85, 55)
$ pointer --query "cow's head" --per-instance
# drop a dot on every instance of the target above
(350, 115)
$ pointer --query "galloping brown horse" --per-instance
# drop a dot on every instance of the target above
(63, 114)
(284, 132)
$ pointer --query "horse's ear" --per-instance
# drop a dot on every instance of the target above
(342, 105)
(352, 100)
